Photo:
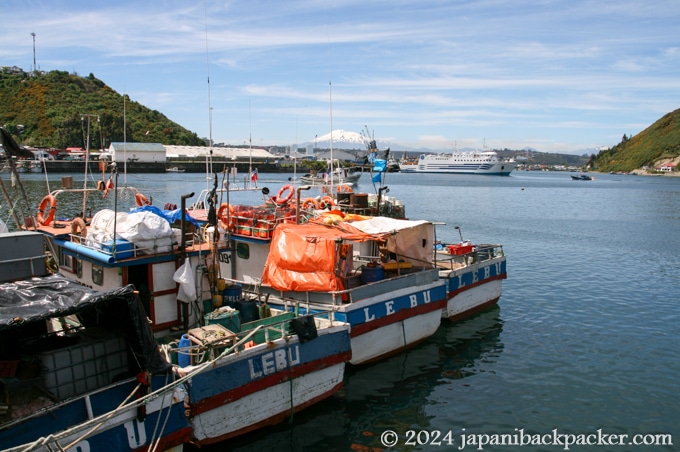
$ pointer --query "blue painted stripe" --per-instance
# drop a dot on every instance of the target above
(266, 363)
(462, 279)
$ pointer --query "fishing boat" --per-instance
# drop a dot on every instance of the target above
(337, 176)
(79, 367)
(241, 368)
(375, 273)
(581, 177)
(486, 162)
(473, 274)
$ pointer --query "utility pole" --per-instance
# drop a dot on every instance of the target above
(35, 67)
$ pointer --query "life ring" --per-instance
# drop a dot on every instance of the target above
(288, 190)
(310, 202)
(78, 230)
(141, 200)
(328, 201)
(46, 220)
(344, 189)
(103, 185)
(226, 222)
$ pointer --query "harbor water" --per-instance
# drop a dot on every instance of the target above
(585, 339)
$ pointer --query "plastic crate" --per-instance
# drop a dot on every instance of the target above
(88, 365)
(459, 249)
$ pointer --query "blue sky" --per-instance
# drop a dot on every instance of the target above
(558, 76)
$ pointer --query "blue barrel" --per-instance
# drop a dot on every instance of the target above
(183, 358)
(231, 295)
(249, 311)
(371, 274)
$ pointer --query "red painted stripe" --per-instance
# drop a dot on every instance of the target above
(273, 420)
(478, 283)
(398, 316)
(218, 400)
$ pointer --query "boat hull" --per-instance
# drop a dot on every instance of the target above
(386, 316)
(264, 384)
(122, 431)
(473, 288)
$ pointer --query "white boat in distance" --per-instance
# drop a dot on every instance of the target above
(486, 162)
(339, 176)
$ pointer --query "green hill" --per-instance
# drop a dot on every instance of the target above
(660, 141)
(44, 110)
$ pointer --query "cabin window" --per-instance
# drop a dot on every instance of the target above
(97, 275)
(243, 250)
(66, 262)
(79, 267)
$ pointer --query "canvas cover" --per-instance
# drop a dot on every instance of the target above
(414, 239)
(305, 257)
(34, 300)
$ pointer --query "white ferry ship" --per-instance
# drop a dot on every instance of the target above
(486, 162)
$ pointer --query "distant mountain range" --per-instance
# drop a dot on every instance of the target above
(346, 140)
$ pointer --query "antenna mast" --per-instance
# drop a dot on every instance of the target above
(208, 158)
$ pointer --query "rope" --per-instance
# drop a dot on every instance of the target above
(98, 421)
(107, 417)
(155, 430)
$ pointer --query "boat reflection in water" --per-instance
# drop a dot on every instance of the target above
(393, 394)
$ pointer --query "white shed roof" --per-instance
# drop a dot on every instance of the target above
(236, 153)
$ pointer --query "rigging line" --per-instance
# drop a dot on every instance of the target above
(155, 442)
(208, 157)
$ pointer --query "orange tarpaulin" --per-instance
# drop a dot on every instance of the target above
(305, 257)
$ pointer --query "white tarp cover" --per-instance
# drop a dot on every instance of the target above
(414, 238)
(148, 231)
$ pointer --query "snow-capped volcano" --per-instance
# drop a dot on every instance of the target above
(341, 139)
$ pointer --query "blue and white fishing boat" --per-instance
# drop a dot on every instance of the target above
(474, 276)
(79, 368)
(240, 369)
(377, 274)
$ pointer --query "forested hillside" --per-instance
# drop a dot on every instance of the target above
(47, 110)
(659, 141)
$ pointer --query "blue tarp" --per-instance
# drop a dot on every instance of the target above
(171, 215)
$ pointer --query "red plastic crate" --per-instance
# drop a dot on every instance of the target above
(459, 249)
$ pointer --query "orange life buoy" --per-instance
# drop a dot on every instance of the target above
(227, 222)
(288, 190)
(344, 188)
(310, 202)
(141, 200)
(78, 230)
(328, 201)
(42, 219)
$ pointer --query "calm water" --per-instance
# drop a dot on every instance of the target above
(586, 335)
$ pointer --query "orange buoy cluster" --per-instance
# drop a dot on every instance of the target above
(250, 221)
(260, 221)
